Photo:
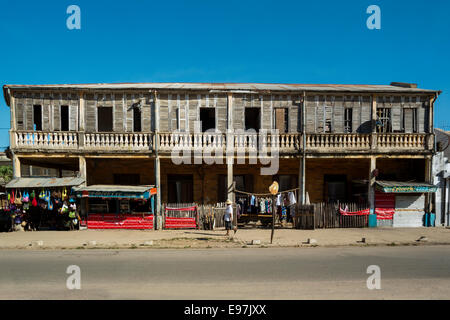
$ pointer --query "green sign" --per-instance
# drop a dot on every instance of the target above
(407, 189)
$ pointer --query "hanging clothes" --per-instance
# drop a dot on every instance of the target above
(291, 197)
(278, 203)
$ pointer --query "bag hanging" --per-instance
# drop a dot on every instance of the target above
(12, 198)
(26, 197)
(64, 193)
(42, 194)
(34, 202)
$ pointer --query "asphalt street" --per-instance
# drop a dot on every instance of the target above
(409, 272)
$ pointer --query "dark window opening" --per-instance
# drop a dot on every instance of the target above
(384, 122)
(281, 120)
(328, 128)
(64, 118)
(126, 179)
(180, 188)
(105, 119)
(137, 116)
(243, 183)
(37, 116)
(335, 188)
(252, 119)
(286, 181)
(348, 118)
(208, 118)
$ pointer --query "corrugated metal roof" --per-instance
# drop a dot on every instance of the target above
(214, 87)
(44, 182)
(225, 86)
(113, 188)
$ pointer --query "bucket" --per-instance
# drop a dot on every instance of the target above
(432, 220)
(426, 218)
(372, 220)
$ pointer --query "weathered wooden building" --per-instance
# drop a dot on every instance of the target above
(333, 141)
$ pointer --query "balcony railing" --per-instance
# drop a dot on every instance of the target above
(402, 140)
(46, 140)
(118, 141)
(241, 142)
(327, 141)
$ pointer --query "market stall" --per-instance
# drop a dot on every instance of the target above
(42, 203)
(402, 203)
(117, 206)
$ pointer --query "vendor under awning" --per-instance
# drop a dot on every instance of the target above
(404, 187)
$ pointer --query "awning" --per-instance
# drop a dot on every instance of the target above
(115, 191)
(29, 183)
(404, 187)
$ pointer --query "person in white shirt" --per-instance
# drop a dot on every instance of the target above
(228, 216)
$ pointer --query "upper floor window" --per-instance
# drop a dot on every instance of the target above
(64, 118)
(409, 120)
(137, 119)
(384, 120)
(105, 119)
(281, 120)
(208, 118)
(348, 119)
(37, 117)
(252, 119)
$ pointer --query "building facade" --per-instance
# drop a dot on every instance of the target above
(195, 140)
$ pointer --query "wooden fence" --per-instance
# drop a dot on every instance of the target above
(209, 216)
(326, 215)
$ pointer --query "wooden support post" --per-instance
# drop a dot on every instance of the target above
(81, 125)
(371, 190)
(273, 218)
(373, 117)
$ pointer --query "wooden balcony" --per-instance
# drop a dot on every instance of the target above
(284, 144)
(243, 143)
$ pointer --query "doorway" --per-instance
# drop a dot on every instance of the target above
(252, 119)
(208, 118)
(180, 188)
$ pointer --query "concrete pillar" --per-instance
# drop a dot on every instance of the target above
(301, 180)
(428, 179)
(371, 191)
(82, 169)
(16, 167)
(158, 214)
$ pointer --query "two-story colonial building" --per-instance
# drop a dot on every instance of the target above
(193, 140)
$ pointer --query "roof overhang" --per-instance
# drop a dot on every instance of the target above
(30, 183)
(404, 187)
(115, 191)
(223, 87)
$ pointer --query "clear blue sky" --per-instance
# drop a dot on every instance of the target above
(226, 41)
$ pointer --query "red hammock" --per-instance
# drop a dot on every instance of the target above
(355, 213)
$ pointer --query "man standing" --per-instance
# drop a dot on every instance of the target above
(228, 217)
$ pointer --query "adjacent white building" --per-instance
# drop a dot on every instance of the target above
(441, 176)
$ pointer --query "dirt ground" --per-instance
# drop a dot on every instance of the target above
(216, 239)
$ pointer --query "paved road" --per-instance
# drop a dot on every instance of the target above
(266, 273)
